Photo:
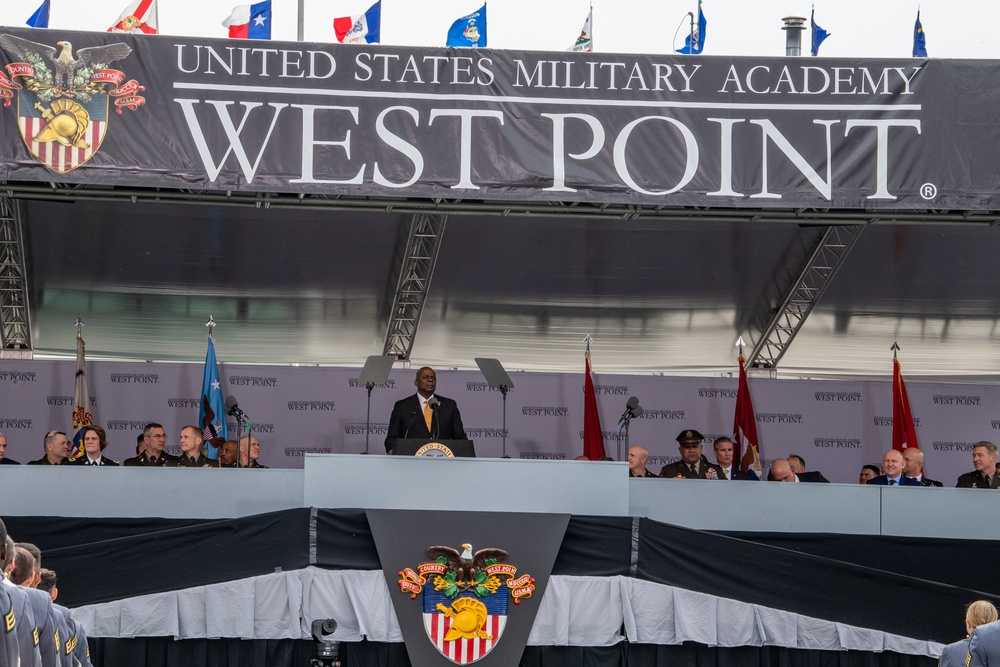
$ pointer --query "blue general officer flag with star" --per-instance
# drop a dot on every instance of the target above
(469, 30)
(212, 415)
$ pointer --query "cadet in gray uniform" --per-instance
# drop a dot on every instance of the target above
(979, 613)
(984, 645)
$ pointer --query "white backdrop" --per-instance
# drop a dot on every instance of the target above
(836, 426)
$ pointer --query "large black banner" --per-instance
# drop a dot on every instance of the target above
(375, 120)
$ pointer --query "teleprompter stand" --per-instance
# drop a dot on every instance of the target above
(375, 372)
(497, 378)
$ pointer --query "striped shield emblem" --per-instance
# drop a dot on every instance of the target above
(466, 628)
(65, 133)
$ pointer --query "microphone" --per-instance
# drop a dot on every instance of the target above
(409, 422)
(233, 409)
(434, 403)
(630, 407)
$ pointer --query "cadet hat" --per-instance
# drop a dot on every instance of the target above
(690, 435)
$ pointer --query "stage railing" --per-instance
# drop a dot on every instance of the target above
(500, 485)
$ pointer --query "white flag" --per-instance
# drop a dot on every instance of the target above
(585, 42)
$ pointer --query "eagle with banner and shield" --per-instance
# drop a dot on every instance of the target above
(62, 97)
(465, 598)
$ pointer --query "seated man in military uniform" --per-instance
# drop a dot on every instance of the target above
(191, 455)
(693, 464)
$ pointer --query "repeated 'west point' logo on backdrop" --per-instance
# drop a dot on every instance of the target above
(611, 390)
(17, 376)
(252, 381)
(355, 428)
(544, 411)
(135, 378)
(887, 421)
(465, 598)
(839, 396)
(62, 97)
(838, 443)
(354, 384)
(481, 432)
(710, 392)
(663, 414)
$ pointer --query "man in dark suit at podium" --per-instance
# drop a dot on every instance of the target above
(424, 415)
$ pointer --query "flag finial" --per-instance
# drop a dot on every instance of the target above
(588, 340)
(79, 325)
(895, 348)
(210, 324)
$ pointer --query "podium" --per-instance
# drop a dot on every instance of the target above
(431, 448)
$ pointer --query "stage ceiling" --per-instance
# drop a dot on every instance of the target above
(658, 295)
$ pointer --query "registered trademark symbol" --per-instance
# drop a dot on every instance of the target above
(928, 191)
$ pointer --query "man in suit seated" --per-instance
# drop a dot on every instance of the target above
(892, 471)
(913, 467)
(693, 464)
(3, 452)
(798, 465)
(781, 471)
(868, 472)
(984, 459)
(424, 415)
(724, 450)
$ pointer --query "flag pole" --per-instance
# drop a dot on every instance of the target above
(301, 33)
(691, 33)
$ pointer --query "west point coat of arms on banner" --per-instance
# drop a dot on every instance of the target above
(62, 97)
(465, 598)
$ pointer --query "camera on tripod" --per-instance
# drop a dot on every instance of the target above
(327, 648)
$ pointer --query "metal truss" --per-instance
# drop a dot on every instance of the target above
(576, 210)
(15, 334)
(802, 295)
(416, 269)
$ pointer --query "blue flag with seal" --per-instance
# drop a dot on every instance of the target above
(919, 39)
(818, 34)
(40, 19)
(695, 42)
(469, 30)
(212, 415)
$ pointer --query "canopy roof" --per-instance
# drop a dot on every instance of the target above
(313, 287)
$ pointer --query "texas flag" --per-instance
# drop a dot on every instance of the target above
(358, 29)
(250, 21)
(140, 16)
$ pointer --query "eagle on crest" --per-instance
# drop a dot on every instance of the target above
(64, 64)
(466, 565)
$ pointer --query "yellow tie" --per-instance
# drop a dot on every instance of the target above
(428, 416)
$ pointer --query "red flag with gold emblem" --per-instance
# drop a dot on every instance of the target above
(904, 434)
(593, 438)
(745, 428)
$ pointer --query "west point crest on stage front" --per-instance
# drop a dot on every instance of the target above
(465, 598)
(62, 97)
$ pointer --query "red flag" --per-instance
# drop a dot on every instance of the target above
(593, 438)
(139, 16)
(903, 433)
(745, 428)
(81, 399)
